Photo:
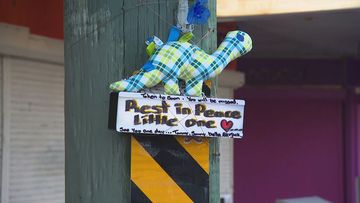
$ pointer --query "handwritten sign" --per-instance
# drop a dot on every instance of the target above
(146, 113)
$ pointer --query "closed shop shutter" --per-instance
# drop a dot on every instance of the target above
(226, 155)
(226, 167)
(33, 154)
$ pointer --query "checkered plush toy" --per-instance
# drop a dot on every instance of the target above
(181, 60)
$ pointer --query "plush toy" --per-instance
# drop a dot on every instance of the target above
(176, 60)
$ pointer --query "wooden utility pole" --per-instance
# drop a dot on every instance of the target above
(104, 42)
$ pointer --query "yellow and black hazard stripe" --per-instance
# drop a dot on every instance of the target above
(169, 169)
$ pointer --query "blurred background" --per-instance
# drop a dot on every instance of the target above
(301, 83)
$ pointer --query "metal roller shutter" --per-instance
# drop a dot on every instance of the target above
(226, 169)
(33, 154)
(226, 156)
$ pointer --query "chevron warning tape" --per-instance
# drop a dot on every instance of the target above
(169, 169)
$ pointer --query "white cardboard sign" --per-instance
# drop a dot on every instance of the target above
(147, 113)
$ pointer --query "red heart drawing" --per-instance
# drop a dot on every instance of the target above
(226, 125)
